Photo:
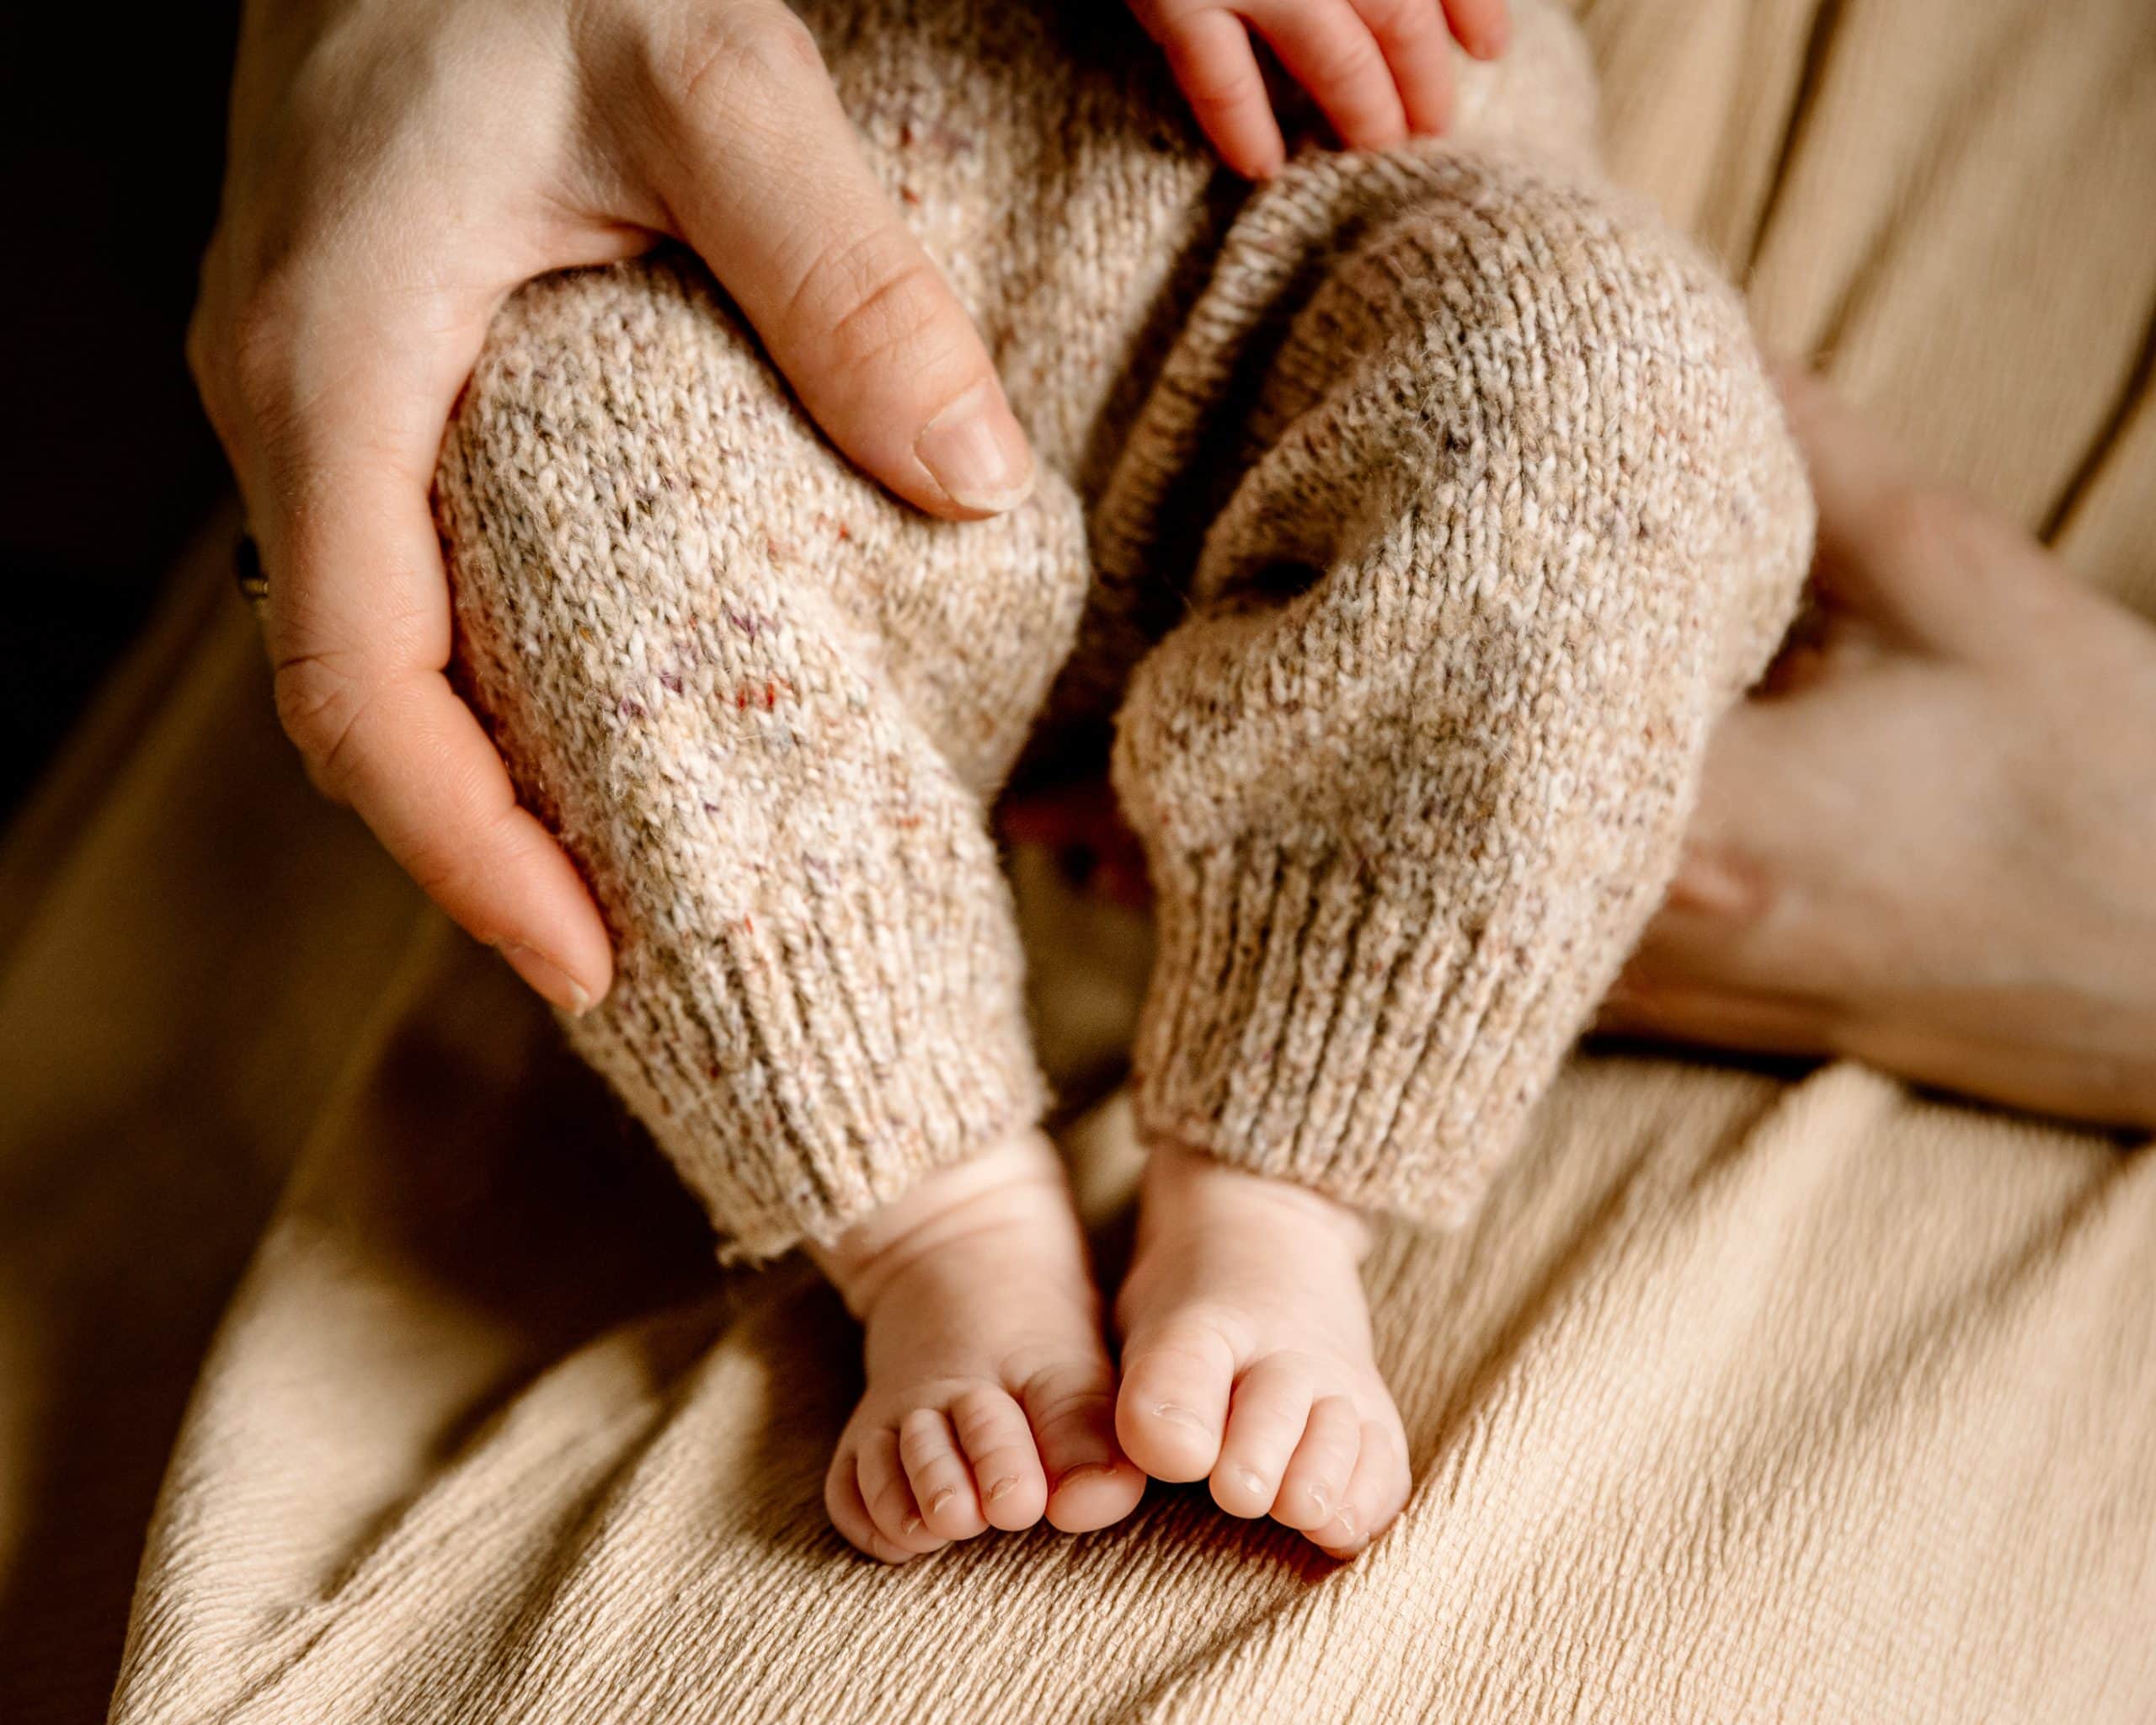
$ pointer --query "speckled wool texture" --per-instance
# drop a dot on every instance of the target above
(1421, 511)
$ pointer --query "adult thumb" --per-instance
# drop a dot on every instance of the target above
(760, 172)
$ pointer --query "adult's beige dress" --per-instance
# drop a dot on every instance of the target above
(1742, 1398)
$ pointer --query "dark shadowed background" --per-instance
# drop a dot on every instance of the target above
(111, 144)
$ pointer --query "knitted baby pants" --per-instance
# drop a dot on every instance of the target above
(1411, 516)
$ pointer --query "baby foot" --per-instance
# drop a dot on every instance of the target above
(1246, 1356)
(990, 1397)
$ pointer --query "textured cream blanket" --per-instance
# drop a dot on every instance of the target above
(1748, 1396)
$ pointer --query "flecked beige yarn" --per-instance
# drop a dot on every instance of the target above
(1439, 497)
(763, 703)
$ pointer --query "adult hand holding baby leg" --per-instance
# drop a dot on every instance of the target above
(397, 169)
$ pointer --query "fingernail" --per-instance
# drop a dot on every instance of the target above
(976, 453)
(547, 977)
(1182, 1416)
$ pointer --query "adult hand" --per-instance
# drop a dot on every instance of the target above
(1930, 844)
(395, 168)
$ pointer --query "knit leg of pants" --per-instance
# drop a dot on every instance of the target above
(1510, 513)
(762, 703)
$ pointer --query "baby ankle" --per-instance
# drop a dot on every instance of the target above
(1004, 1183)
(1179, 1178)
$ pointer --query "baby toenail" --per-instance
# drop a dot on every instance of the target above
(1252, 1478)
(942, 1497)
(1182, 1416)
(913, 1525)
(1317, 1500)
(1007, 1484)
(1346, 1521)
(1083, 1469)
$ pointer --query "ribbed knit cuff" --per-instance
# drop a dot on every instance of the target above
(1368, 1033)
(809, 1058)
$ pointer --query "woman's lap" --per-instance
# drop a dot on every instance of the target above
(1743, 1397)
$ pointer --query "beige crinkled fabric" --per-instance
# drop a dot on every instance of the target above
(1745, 1396)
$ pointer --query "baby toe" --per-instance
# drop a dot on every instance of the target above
(1374, 1496)
(1174, 1400)
(942, 1479)
(1316, 1482)
(1071, 1408)
(849, 1511)
(890, 1497)
(991, 1429)
(1265, 1421)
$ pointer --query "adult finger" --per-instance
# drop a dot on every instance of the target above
(1651, 1006)
(1868, 497)
(758, 168)
(1483, 27)
(345, 400)
(1210, 54)
(1329, 50)
(1737, 937)
(1938, 569)
(1419, 50)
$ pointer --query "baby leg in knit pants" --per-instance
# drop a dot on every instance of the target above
(1511, 513)
(763, 703)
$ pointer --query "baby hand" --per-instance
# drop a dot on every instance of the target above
(1380, 69)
